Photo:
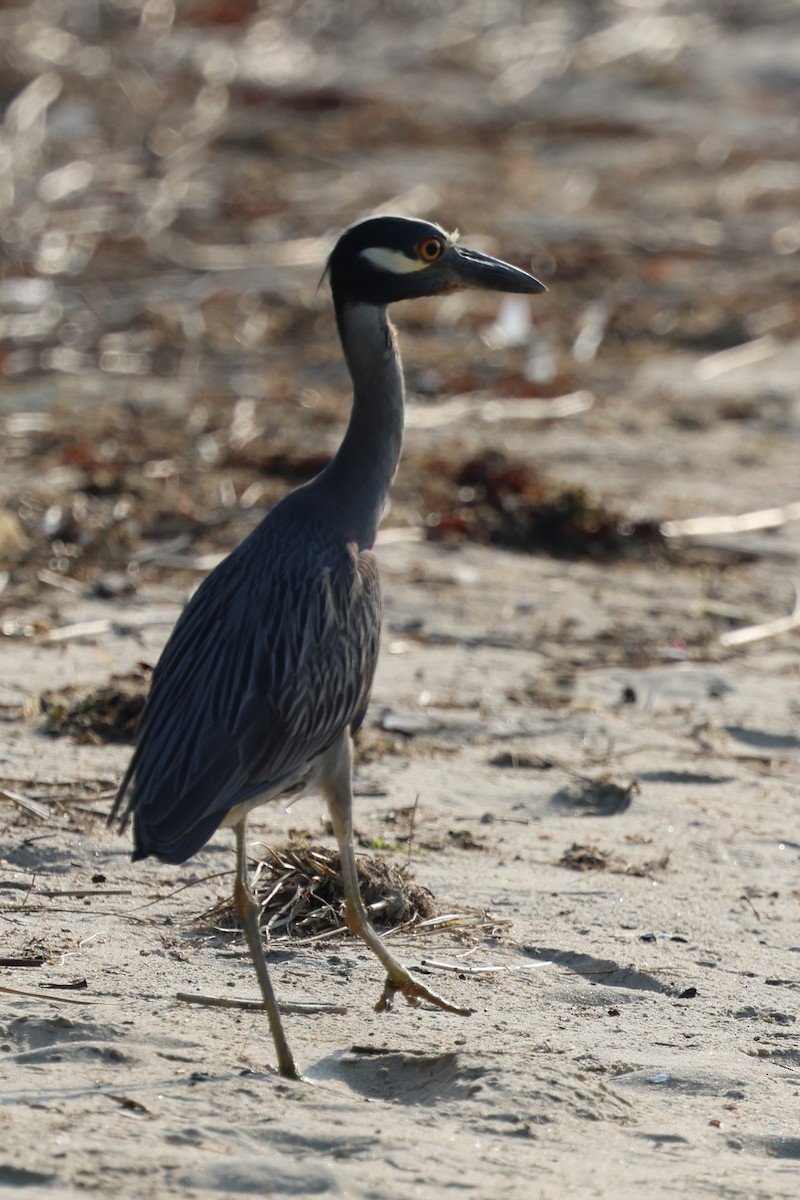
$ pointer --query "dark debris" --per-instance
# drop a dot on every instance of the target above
(596, 797)
(109, 713)
(501, 503)
(579, 857)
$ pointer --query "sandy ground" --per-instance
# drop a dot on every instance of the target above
(638, 1033)
(606, 794)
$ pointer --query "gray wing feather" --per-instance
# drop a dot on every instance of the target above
(271, 660)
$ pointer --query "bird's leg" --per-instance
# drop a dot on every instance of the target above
(336, 783)
(248, 912)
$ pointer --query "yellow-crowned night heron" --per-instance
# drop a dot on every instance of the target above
(269, 669)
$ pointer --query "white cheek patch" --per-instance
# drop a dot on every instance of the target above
(393, 261)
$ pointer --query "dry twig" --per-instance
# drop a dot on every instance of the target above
(762, 518)
(286, 1007)
(38, 996)
(767, 629)
(23, 802)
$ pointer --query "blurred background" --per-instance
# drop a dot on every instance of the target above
(174, 174)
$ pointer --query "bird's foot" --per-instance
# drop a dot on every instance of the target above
(414, 993)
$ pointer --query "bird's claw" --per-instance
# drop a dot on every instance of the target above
(414, 993)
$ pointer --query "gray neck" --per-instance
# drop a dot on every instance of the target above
(357, 482)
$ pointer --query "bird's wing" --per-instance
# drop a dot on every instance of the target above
(304, 695)
(264, 670)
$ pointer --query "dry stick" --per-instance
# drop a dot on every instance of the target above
(757, 633)
(470, 919)
(38, 996)
(175, 891)
(81, 893)
(62, 582)
(464, 969)
(762, 518)
(60, 893)
(63, 797)
(71, 798)
(325, 936)
(91, 629)
(258, 1005)
(492, 409)
(411, 824)
(23, 802)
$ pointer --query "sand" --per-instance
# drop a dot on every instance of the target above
(605, 793)
(636, 1033)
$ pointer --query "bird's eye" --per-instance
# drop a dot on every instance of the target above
(429, 249)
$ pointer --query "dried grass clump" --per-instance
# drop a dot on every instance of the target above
(299, 887)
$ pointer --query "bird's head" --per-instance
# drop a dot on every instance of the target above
(384, 259)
